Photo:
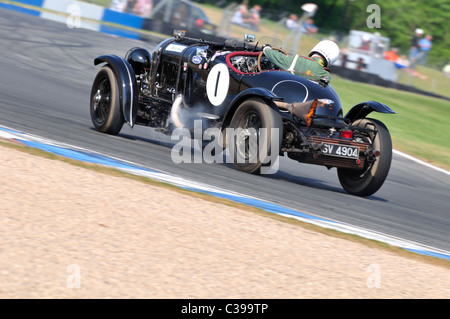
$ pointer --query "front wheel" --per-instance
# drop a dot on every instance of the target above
(368, 181)
(256, 137)
(105, 105)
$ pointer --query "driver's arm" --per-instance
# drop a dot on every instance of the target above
(278, 58)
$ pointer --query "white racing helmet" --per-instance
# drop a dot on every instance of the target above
(328, 49)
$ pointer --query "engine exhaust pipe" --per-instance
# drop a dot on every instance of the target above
(303, 110)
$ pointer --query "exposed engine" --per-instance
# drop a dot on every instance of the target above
(151, 112)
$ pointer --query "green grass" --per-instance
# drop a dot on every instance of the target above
(435, 81)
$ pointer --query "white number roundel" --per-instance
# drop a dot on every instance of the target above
(217, 84)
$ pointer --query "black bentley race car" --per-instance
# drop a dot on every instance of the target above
(255, 110)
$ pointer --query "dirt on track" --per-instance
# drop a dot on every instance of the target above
(69, 232)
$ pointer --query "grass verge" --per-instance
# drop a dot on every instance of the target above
(196, 195)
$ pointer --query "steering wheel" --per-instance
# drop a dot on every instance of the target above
(258, 64)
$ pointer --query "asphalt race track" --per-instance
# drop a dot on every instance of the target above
(46, 75)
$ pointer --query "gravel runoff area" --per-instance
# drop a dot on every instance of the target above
(70, 232)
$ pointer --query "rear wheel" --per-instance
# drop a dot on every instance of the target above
(257, 136)
(368, 181)
(105, 105)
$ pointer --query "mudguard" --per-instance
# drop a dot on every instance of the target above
(253, 92)
(128, 91)
(363, 109)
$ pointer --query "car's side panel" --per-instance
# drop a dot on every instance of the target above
(222, 85)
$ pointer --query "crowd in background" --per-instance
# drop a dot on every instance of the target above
(420, 46)
(246, 18)
(138, 7)
(250, 19)
(307, 27)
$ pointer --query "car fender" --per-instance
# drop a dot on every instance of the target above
(363, 109)
(263, 93)
(128, 91)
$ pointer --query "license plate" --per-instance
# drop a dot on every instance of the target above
(338, 150)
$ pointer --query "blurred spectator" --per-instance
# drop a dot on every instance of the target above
(255, 18)
(414, 50)
(402, 62)
(292, 22)
(245, 18)
(391, 55)
(142, 7)
(308, 27)
(241, 15)
(365, 45)
(446, 70)
(425, 45)
(402, 65)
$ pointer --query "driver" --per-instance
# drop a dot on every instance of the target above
(313, 67)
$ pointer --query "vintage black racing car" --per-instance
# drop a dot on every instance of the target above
(238, 88)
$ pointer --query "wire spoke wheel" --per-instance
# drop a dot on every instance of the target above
(255, 125)
(248, 136)
(366, 182)
(105, 105)
(101, 101)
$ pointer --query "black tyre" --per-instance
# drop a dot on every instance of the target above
(249, 122)
(105, 105)
(368, 181)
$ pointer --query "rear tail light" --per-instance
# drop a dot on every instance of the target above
(346, 134)
(199, 22)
